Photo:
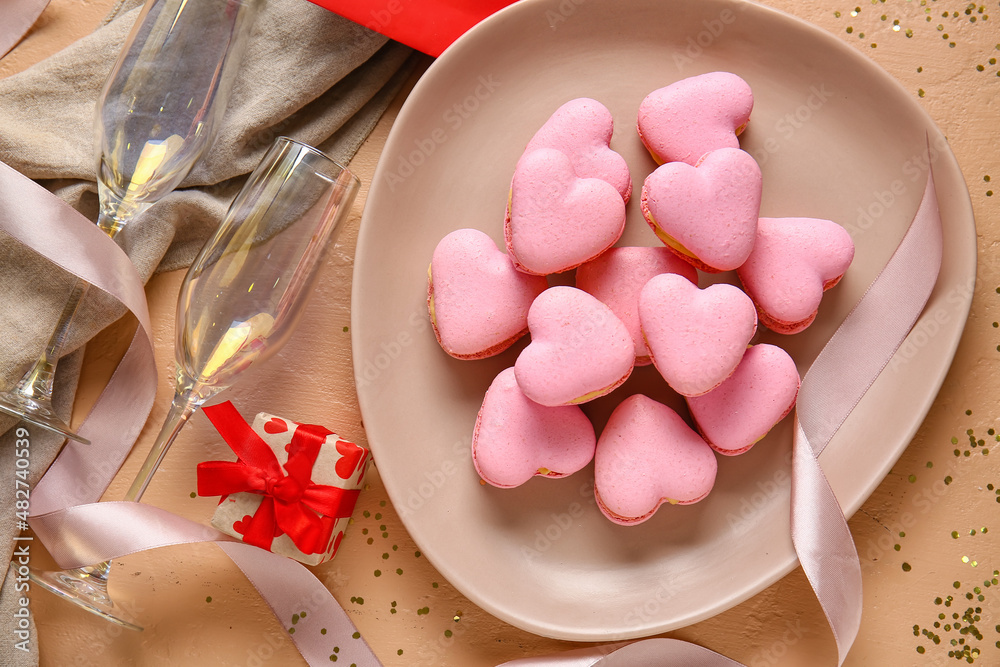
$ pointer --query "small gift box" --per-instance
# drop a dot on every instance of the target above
(292, 488)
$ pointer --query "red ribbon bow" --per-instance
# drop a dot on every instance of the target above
(292, 503)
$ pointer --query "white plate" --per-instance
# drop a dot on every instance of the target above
(836, 137)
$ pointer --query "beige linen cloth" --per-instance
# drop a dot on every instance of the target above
(307, 73)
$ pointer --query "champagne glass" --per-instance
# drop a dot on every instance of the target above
(156, 115)
(238, 304)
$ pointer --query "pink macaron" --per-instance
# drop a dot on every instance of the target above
(516, 439)
(478, 302)
(556, 220)
(743, 409)
(794, 260)
(696, 337)
(707, 214)
(646, 456)
(579, 349)
(617, 277)
(685, 120)
(581, 129)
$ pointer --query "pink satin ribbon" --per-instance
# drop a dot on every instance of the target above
(65, 514)
(44, 223)
(78, 531)
(842, 373)
(656, 652)
(18, 17)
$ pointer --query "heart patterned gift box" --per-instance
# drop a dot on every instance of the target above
(292, 488)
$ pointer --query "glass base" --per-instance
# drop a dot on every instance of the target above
(85, 589)
(38, 413)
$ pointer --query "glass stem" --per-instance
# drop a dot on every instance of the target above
(181, 408)
(116, 212)
(37, 382)
(97, 573)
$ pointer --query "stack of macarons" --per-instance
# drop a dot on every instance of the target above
(703, 202)
(632, 306)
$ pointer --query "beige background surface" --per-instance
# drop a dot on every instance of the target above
(929, 531)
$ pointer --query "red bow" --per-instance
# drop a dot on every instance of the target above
(292, 504)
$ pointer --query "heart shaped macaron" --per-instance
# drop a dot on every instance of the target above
(646, 456)
(478, 301)
(579, 349)
(582, 129)
(741, 410)
(516, 438)
(556, 220)
(696, 337)
(617, 277)
(686, 119)
(706, 214)
(793, 262)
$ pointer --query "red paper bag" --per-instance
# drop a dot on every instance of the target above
(426, 25)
